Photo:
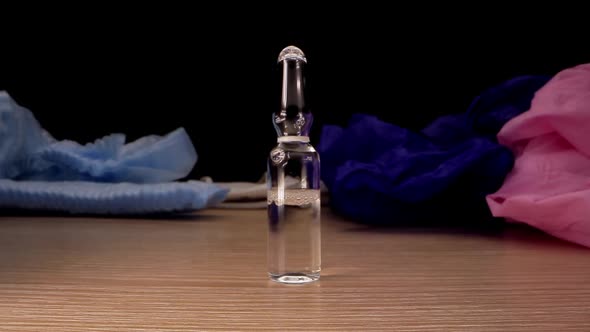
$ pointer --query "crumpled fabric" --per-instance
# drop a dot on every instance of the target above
(27, 152)
(380, 173)
(549, 187)
(108, 176)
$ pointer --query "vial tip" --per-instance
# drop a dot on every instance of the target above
(292, 52)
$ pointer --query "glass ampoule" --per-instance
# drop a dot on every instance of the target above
(293, 183)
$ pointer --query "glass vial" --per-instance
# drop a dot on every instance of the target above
(293, 183)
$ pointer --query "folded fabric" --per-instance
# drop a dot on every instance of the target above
(380, 173)
(109, 198)
(105, 176)
(549, 187)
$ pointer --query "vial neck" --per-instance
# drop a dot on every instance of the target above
(294, 117)
(293, 100)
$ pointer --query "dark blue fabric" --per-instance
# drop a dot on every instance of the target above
(380, 173)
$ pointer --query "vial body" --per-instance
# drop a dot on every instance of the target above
(294, 222)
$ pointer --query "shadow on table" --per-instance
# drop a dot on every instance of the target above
(495, 228)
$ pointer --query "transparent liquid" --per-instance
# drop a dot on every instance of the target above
(294, 237)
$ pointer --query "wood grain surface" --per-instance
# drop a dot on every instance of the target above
(207, 272)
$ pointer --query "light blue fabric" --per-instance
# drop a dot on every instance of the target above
(109, 198)
(106, 176)
(27, 152)
(20, 136)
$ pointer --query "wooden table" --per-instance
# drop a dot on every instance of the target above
(207, 272)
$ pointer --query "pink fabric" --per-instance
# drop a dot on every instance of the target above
(549, 187)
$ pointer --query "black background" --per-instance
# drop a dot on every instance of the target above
(88, 76)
